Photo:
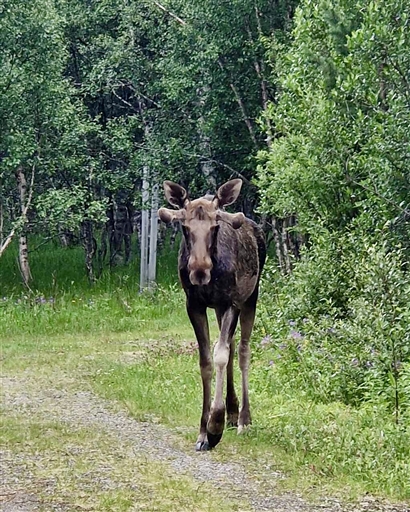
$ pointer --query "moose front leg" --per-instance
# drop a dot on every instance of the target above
(199, 321)
(231, 402)
(216, 421)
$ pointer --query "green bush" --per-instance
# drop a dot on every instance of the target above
(338, 326)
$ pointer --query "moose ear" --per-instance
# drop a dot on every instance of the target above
(234, 219)
(229, 192)
(167, 215)
(175, 194)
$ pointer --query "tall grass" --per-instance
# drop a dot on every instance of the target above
(61, 300)
(56, 269)
(319, 442)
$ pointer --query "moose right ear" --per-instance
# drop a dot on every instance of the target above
(167, 215)
(175, 194)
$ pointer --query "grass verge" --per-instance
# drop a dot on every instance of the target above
(139, 349)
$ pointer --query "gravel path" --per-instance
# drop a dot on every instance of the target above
(136, 441)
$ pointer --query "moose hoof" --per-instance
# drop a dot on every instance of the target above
(232, 420)
(202, 446)
(213, 439)
(243, 428)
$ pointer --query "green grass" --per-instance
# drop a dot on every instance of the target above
(88, 471)
(138, 349)
(57, 270)
(331, 446)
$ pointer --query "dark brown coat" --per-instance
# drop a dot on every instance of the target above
(220, 262)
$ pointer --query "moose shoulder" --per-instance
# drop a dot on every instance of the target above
(220, 262)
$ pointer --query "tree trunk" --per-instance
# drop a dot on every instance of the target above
(276, 228)
(102, 249)
(120, 242)
(90, 246)
(153, 238)
(23, 244)
(287, 242)
(144, 232)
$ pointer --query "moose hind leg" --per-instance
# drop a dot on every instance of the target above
(247, 319)
(232, 403)
(216, 422)
(199, 321)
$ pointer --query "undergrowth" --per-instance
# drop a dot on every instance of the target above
(323, 390)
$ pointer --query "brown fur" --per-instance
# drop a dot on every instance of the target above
(220, 262)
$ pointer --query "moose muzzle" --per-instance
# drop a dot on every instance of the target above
(199, 270)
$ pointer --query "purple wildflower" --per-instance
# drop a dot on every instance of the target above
(296, 335)
(265, 341)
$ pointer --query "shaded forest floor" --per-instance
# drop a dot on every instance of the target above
(66, 448)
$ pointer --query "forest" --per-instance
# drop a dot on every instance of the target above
(308, 102)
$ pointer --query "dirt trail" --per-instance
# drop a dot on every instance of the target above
(129, 443)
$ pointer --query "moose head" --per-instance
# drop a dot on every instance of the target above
(200, 220)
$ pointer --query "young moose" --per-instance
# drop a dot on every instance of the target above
(220, 262)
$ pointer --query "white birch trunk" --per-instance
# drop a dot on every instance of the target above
(23, 244)
(144, 232)
(153, 238)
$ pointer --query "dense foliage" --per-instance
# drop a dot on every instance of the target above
(97, 96)
(339, 161)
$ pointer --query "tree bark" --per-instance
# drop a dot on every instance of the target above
(144, 232)
(287, 242)
(23, 243)
(90, 246)
(153, 238)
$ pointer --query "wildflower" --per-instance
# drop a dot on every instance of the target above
(271, 363)
(355, 361)
(296, 335)
(282, 346)
(265, 341)
(291, 322)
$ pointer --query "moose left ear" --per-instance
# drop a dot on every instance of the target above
(228, 193)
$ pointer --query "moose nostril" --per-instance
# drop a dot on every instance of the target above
(200, 275)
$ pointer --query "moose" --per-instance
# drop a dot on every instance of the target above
(220, 262)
